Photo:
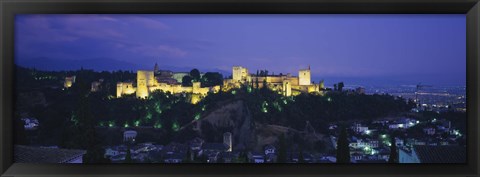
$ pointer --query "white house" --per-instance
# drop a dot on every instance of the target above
(30, 123)
(129, 135)
(269, 149)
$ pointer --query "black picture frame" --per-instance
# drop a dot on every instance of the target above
(8, 9)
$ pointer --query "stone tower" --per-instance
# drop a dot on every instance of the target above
(304, 77)
(239, 74)
(145, 79)
(287, 88)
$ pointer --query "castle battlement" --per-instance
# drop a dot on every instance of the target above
(286, 85)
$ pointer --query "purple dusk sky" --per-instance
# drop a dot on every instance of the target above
(365, 48)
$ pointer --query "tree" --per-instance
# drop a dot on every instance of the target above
(343, 149)
(282, 150)
(128, 156)
(188, 157)
(301, 159)
(20, 136)
(264, 86)
(212, 79)
(334, 87)
(195, 74)
(393, 151)
(187, 80)
(340, 86)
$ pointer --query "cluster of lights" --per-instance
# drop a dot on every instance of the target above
(264, 107)
(111, 124)
(157, 125)
(368, 132)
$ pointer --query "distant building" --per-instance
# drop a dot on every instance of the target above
(227, 139)
(29, 154)
(149, 81)
(358, 128)
(256, 157)
(214, 147)
(129, 136)
(360, 90)
(433, 154)
(269, 149)
(125, 88)
(285, 84)
(95, 86)
(429, 131)
(30, 123)
(69, 81)
(167, 81)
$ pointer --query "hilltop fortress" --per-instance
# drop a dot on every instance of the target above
(286, 85)
(167, 81)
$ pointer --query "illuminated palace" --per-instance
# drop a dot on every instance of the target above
(167, 81)
(287, 85)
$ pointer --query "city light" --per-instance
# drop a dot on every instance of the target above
(175, 127)
(126, 125)
(366, 148)
(136, 123)
(368, 132)
(329, 99)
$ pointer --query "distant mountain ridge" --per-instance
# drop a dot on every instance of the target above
(97, 64)
(102, 64)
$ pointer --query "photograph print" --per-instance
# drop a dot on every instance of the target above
(200, 88)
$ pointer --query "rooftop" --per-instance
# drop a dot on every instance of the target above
(29, 154)
(441, 154)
